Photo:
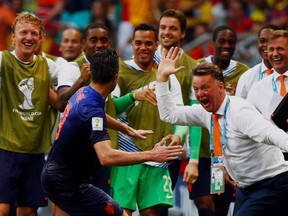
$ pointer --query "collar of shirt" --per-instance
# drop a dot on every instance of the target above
(276, 74)
(221, 109)
(263, 67)
(86, 59)
(132, 64)
(14, 54)
(229, 70)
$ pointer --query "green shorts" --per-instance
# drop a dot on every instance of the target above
(141, 184)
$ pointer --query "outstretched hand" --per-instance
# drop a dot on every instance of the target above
(147, 95)
(141, 134)
(168, 64)
(163, 153)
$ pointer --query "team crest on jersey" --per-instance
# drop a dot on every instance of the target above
(97, 124)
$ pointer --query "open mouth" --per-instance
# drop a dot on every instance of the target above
(165, 39)
(205, 103)
(277, 60)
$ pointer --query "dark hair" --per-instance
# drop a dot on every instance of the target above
(145, 27)
(269, 26)
(175, 14)
(95, 26)
(104, 66)
(206, 68)
(221, 28)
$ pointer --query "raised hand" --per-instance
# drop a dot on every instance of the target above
(168, 64)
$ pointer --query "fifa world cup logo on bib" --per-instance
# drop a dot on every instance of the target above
(26, 86)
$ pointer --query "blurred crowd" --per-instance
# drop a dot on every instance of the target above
(121, 16)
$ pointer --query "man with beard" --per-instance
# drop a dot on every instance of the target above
(224, 41)
(171, 32)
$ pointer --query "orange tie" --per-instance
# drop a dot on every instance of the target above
(269, 71)
(216, 136)
(282, 86)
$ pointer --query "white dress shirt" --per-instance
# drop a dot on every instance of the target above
(262, 93)
(253, 145)
(247, 79)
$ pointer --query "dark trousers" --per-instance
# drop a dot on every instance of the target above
(267, 197)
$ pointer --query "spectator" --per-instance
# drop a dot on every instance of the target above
(237, 17)
(278, 14)
(100, 14)
(7, 17)
(133, 13)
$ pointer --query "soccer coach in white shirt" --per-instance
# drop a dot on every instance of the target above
(251, 144)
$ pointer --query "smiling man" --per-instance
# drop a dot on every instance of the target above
(263, 92)
(77, 73)
(261, 70)
(224, 42)
(251, 145)
(71, 44)
(137, 184)
(171, 32)
(25, 134)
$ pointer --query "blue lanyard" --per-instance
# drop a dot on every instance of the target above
(260, 77)
(223, 129)
(274, 85)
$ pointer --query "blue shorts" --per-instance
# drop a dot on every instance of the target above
(20, 179)
(202, 186)
(74, 196)
(101, 178)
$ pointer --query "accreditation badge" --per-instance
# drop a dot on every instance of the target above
(217, 176)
